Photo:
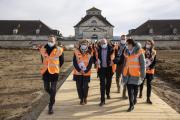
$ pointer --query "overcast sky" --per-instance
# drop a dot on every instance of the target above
(64, 14)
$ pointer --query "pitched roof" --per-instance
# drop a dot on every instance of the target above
(26, 27)
(93, 9)
(160, 27)
(100, 17)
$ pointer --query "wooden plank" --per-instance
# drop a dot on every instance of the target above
(67, 105)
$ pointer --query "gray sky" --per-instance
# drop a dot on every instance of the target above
(64, 14)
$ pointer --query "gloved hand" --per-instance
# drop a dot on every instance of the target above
(82, 66)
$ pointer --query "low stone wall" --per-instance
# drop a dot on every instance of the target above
(160, 40)
(21, 41)
(161, 43)
(33, 43)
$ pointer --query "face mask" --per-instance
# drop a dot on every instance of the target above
(104, 45)
(83, 48)
(123, 41)
(50, 44)
(148, 46)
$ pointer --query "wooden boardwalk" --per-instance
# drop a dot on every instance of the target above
(67, 106)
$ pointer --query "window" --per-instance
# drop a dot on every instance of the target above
(151, 31)
(94, 22)
(94, 37)
(175, 30)
(15, 31)
(37, 31)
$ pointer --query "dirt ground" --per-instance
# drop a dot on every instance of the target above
(20, 80)
(167, 85)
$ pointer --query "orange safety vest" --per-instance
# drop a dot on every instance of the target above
(132, 66)
(151, 71)
(51, 62)
(82, 58)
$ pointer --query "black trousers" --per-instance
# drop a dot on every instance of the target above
(132, 93)
(82, 87)
(105, 75)
(149, 78)
(50, 83)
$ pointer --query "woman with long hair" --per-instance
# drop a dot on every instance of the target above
(150, 56)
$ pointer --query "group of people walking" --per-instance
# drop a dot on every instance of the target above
(132, 64)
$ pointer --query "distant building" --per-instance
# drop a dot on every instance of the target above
(94, 26)
(24, 33)
(164, 32)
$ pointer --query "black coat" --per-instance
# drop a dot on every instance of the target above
(119, 58)
(110, 51)
(75, 64)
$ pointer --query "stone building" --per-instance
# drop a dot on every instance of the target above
(93, 26)
(24, 33)
(163, 32)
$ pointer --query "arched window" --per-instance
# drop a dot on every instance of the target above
(93, 22)
(15, 31)
(175, 30)
(151, 31)
(37, 31)
(94, 37)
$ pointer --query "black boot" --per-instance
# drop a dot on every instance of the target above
(149, 101)
(85, 101)
(131, 108)
(140, 95)
(124, 94)
(135, 101)
(81, 102)
(50, 111)
(118, 90)
(101, 104)
(108, 97)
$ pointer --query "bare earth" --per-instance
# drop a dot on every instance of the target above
(21, 84)
(20, 81)
(167, 85)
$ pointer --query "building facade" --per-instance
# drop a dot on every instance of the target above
(163, 32)
(24, 33)
(93, 26)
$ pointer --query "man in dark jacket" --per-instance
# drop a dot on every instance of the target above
(119, 60)
(50, 80)
(105, 61)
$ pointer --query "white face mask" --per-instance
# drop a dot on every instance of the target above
(148, 46)
(83, 48)
(50, 44)
(104, 45)
(123, 41)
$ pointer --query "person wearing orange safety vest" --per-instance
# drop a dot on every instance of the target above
(134, 70)
(52, 58)
(82, 62)
(150, 55)
(104, 60)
